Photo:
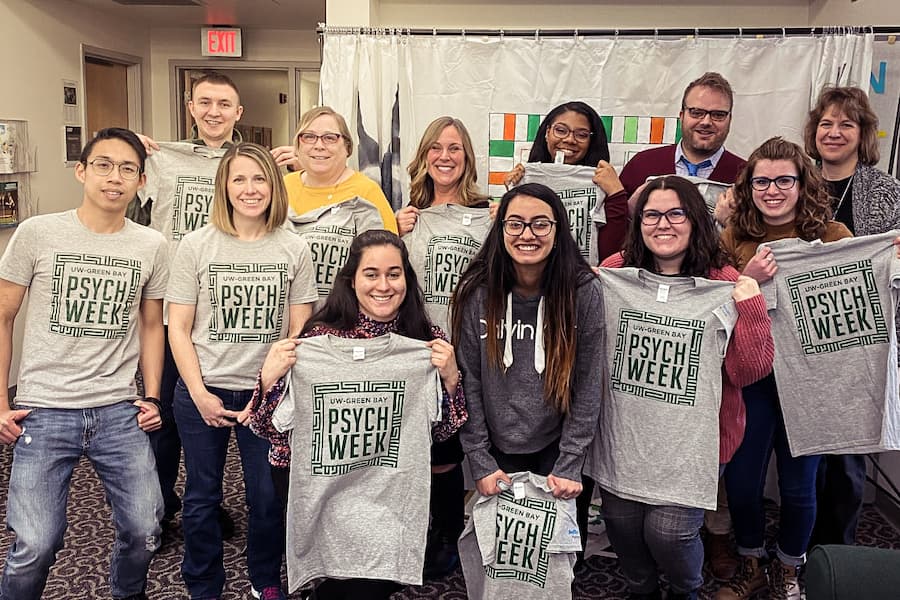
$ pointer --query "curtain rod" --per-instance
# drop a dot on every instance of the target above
(645, 32)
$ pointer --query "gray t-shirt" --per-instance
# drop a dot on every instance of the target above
(520, 543)
(360, 412)
(329, 231)
(659, 426)
(832, 307)
(444, 240)
(242, 291)
(181, 178)
(81, 342)
(583, 200)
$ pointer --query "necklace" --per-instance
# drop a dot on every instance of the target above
(844, 194)
(340, 178)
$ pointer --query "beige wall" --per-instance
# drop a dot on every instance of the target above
(861, 12)
(593, 14)
(41, 42)
(261, 45)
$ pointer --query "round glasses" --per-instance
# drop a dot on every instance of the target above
(104, 166)
(538, 227)
(329, 139)
(782, 182)
(561, 132)
(674, 216)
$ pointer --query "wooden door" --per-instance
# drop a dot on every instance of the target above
(106, 95)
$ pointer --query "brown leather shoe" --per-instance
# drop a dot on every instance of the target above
(723, 561)
(749, 579)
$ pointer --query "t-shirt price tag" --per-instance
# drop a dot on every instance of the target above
(359, 353)
(560, 158)
(662, 293)
(335, 208)
(519, 490)
(467, 219)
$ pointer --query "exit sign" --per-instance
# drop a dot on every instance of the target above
(220, 41)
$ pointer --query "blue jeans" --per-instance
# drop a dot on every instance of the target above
(745, 480)
(39, 488)
(650, 539)
(205, 449)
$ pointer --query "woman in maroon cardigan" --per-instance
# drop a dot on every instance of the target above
(672, 234)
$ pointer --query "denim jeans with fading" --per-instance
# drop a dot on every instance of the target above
(120, 453)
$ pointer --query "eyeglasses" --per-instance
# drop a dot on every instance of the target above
(329, 139)
(103, 167)
(782, 182)
(674, 216)
(561, 132)
(700, 113)
(538, 227)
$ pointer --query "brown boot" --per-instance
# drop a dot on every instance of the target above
(723, 562)
(784, 582)
(749, 579)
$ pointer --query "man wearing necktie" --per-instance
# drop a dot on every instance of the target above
(706, 111)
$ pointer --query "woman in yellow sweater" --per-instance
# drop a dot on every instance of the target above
(323, 144)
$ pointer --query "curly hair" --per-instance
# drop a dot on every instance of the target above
(813, 210)
(854, 103)
(421, 185)
(565, 270)
(703, 251)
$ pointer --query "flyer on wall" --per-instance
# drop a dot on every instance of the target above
(7, 148)
(9, 203)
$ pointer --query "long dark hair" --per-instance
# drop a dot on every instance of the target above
(597, 150)
(341, 309)
(565, 271)
(703, 251)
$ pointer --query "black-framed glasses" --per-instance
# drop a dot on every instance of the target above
(782, 182)
(699, 113)
(561, 131)
(104, 166)
(674, 216)
(328, 138)
(538, 227)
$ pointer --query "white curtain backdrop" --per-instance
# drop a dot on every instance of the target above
(391, 86)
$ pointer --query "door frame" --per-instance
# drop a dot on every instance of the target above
(179, 103)
(133, 82)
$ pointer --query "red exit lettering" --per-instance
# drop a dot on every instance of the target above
(220, 42)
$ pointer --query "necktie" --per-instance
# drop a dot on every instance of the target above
(692, 169)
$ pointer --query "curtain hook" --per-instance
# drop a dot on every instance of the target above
(783, 33)
(655, 34)
(740, 33)
(537, 35)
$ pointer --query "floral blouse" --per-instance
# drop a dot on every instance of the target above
(264, 403)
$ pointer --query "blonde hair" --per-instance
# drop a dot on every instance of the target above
(313, 114)
(222, 214)
(421, 186)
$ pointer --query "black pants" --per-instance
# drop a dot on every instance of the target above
(165, 442)
(840, 482)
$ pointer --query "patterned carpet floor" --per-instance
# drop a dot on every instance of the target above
(82, 566)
